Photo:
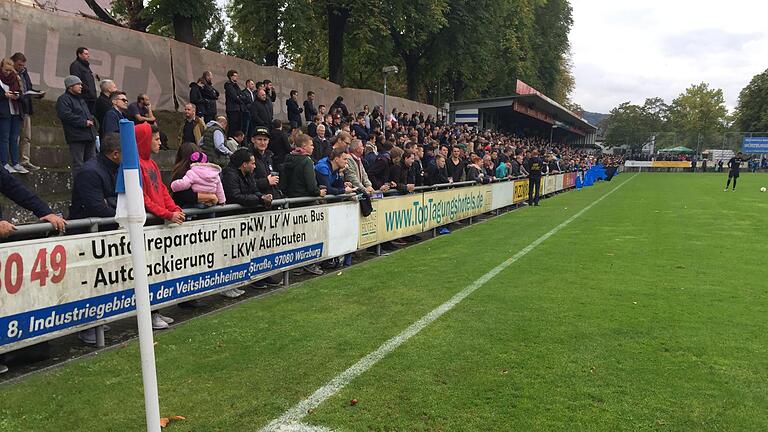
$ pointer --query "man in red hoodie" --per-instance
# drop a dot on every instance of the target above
(157, 200)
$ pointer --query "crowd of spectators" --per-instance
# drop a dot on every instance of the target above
(248, 157)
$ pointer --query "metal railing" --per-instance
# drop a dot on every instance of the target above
(41, 229)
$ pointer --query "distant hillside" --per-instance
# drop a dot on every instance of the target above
(594, 118)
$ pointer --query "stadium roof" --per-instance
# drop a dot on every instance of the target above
(534, 101)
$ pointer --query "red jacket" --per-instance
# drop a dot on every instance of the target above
(157, 200)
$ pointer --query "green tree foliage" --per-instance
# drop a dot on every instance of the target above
(635, 125)
(255, 30)
(752, 110)
(699, 116)
(197, 23)
(414, 26)
(696, 119)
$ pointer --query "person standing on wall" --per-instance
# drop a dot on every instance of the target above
(11, 112)
(309, 107)
(77, 122)
(235, 102)
(533, 166)
(294, 112)
(81, 68)
(25, 138)
(249, 96)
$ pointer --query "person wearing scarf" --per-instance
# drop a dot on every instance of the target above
(10, 118)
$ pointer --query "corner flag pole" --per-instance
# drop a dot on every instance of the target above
(131, 214)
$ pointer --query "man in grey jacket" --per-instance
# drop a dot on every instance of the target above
(355, 172)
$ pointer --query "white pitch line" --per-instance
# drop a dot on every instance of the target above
(291, 419)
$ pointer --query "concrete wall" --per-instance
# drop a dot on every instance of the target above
(144, 63)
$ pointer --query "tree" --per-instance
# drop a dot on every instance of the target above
(185, 21)
(413, 26)
(699, 115)
(636, 125)
(255, 34)
(131, 12)
(752, 110)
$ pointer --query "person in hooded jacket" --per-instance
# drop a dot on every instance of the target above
(202, 177)
(329, 172)
(298, 172)
(157, 200)
(382, 164)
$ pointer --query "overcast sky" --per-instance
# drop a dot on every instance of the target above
(629, 50)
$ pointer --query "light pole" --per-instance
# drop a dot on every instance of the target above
(386, 70)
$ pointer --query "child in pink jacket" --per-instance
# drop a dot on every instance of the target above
(202, 177)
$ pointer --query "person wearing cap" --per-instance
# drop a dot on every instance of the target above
(77, 121)
(265, 171)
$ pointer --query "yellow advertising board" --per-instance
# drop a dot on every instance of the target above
(442, 207)
(521, 191)
(670, 164)
(391, 218)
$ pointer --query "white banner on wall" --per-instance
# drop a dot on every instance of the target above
(49, 287)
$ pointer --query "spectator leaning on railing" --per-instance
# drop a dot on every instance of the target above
(355, 172)
(298, 171)
(93, 192)
(240, 185)
(18, 193)
(157, 200)
(330, 173)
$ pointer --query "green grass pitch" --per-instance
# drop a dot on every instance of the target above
(646, 313)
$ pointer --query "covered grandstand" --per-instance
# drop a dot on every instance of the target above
(526, 113)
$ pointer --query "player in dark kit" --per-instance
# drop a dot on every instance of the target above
(533, 166)
(734, 164)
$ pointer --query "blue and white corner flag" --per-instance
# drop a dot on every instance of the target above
(131, 215)
(130, 198)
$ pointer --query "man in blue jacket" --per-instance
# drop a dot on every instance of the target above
(294, 112)
(111, 123)
(329, 173)
(77, 121)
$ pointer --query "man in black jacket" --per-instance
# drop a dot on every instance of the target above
(235, 103)
(249, 96)
(294, 112)
(239, 183)
(77, 121)
(265, 172)
(436, 172)
(103, 103)
(279, 144)
(534, 166)
(81, 68)
(260, 112)
(93, 193)
(309, 107)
